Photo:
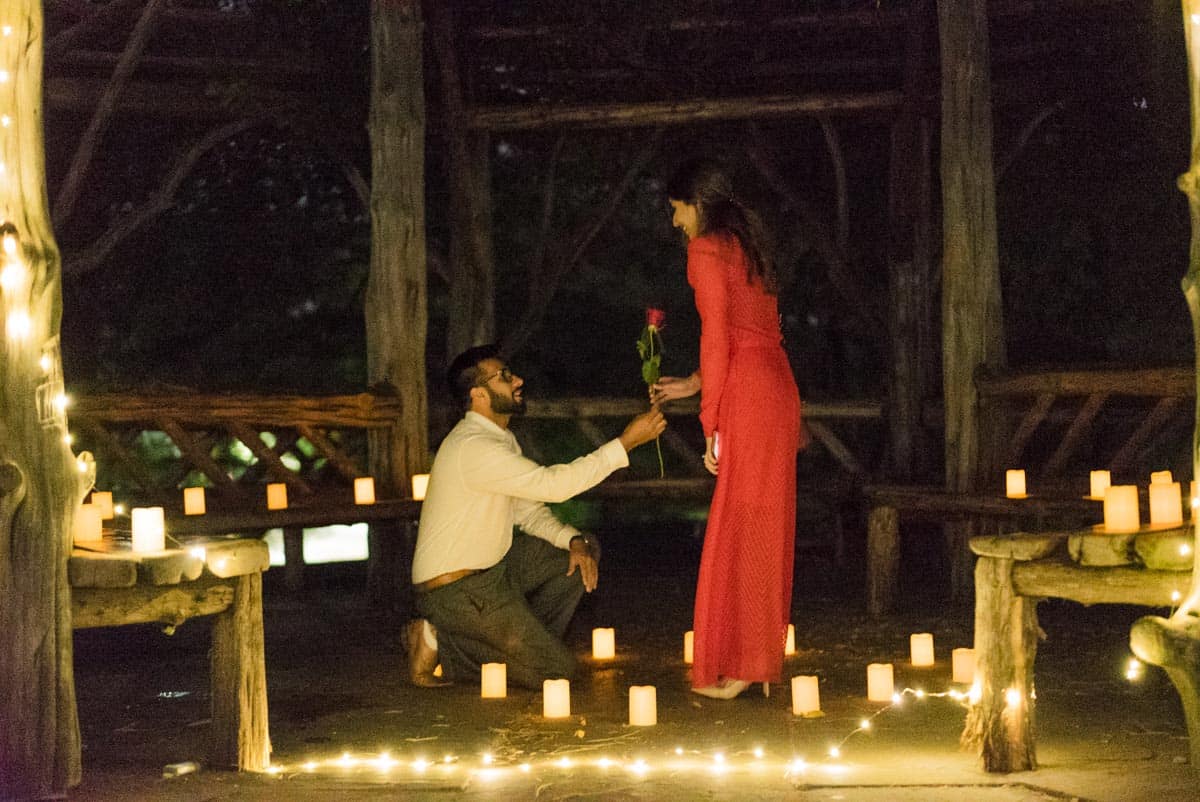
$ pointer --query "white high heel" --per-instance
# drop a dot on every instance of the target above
(728, 689)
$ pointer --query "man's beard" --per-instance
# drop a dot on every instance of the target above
(504, 405)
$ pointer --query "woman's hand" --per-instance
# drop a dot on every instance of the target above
(710, 456)
(669, 388)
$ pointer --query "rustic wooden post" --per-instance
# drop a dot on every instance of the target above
(396, 315)
(40, 484)
(972, 317)
(240, 739)
(883, 559)
(1001, 717)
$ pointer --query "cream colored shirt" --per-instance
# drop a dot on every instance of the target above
(481, 486)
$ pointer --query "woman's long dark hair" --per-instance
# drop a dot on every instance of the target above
(706, 184)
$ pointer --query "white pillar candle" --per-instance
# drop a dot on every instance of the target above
(103, 501)
(604, 643)
(1014, 483)
(1166, 503)
(1121, 508)
(643, 706)
(556, 698)
(880, 684)
(789, 645)
(689, 645)
(149, 531)
(1161, 477)
(87, 525)
(277, 496)
(193, 501)
(806, 696)
(1100, 482)
(493, 681)
(962, 666)
(921, 647)
(420, 484)
(364, 490)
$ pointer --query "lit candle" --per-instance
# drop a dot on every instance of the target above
(364, 490)
(880, 685)
(789, 645)
(1014, 483)
(689, 643)
(493, 681)
(277, 496)
(103, 501)
(1100, 482)
(806, 696)
(556, 698)
(604, 643)
(149, 531)
(87, 525)
(921, 646)
(193, 501)
(643, 706)
(962, 666)
(1121, 508)
(1161, 477)
(1166, 503)
(420, 484)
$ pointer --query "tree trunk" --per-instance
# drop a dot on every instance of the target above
(40, 484)
(972, 317)
(472, 279)
(396, 292)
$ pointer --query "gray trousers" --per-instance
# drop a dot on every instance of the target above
(514, 613)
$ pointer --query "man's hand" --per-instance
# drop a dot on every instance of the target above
(643, 429)
(580, 555)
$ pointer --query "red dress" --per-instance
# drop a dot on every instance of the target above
(749, 399)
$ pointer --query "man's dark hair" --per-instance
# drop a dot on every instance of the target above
(464, 371)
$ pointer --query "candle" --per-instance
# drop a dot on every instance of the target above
(1161, 477)
(493, 681)
(193, 501)
(103, 501)
(364, 490)
(1192, 495)
(604, 643)
(87, 525)
(921, 646)
(689, 642)
(1100, 482)
(149, 531)
(1014, 483)
(789, 645)
(277, 496)
(420, 484)
(1166, 503)
(962, 663)
(880, 685)
(643, 706)
(556, 698)
(806, 696)
(1121, 508)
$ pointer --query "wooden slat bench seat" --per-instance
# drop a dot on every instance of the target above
(117, 588)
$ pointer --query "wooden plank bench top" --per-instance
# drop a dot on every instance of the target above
(218, 577)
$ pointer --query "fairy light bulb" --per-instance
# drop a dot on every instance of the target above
(7, 30)
(12, 275)
(1012, 697)
(18, 325)
(4, 76)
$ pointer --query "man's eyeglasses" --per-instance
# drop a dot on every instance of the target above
(505, 375)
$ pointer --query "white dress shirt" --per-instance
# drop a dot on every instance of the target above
(481, 486)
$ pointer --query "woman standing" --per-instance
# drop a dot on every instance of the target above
(750, 413)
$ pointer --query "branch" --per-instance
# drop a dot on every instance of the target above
(95, 18)
(68, 192)
(839, 176)
(1024, 137)
(93, 256)
(539, 255)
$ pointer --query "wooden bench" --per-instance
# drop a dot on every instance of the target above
(1150, 567)
(116, 588)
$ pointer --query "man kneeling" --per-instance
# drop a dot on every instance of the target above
(488, 595)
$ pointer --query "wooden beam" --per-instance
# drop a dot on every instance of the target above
(604, 407)
(1178, 381)
(1062, 580)
(146, 604)
(683, 112)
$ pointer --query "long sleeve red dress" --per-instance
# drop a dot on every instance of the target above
(749, 401)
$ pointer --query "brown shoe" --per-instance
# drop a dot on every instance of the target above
(421, 659)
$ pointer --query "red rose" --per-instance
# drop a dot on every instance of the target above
(655, 318)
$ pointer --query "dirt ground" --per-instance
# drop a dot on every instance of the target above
(346, 726)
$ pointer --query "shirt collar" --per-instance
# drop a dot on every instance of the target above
(480, 420)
